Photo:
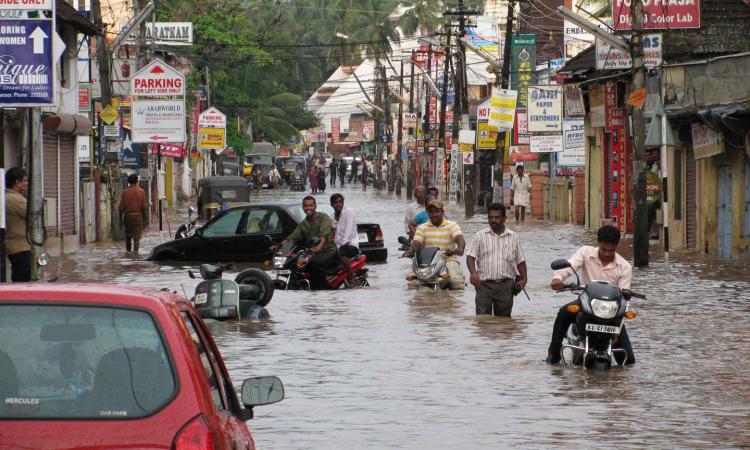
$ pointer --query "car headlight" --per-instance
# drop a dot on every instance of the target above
(425, 273)
(604, 309)
(279, 262)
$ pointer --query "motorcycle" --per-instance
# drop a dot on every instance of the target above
(244, 298)
(297, 182)
(600, 318)
(429, 268)
(184, 230)
(290, 262)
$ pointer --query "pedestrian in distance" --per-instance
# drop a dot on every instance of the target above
(333, 170)
(321, 178)
(383, 174)
(355, 170)
(16, 244)
(342, 172)
(520, 193)
(312, 174)
(275, 177)
(133, 213)
(494, 258)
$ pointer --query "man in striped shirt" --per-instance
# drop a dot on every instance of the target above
(494, 257)
(445, 234)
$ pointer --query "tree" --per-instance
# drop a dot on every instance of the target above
(421, 17)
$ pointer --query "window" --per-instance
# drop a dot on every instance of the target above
(263, 221)
(226, 225)
(214, 378)
(61, 362)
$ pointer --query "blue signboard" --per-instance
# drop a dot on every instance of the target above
(27, 75)
(130, 152)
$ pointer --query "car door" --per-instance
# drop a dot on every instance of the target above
(230, 430)
(219, 239)
(262, 221)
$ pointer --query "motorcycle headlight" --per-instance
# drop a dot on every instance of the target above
(425, 273)
(604, 309)
(279, 262)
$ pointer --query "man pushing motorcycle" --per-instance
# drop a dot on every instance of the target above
(600, 263)
(316, 225)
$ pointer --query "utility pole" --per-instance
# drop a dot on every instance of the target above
(426, 126)
(400, 130)
(444, 103)
(640, 213)
(35, 204)
(502, 80)
(102, 55)
(409, 166)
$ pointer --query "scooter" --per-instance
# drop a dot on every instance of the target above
(184, 230)
(429, 268)
(289, 267)
(244, 298)
(297, 182)
(600, 319)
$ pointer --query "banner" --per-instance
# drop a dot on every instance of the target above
(503, 108)
(659, 14)
(522, 65)
(547, 143)
(545, 108)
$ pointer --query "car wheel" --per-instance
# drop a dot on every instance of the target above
(261, 280)
(165, 256)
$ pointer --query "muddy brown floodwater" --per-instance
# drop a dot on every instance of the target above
(389, 367)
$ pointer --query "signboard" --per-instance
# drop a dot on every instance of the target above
(335, 129)
(468, 158)
(157, 79)
(83, 149)
(169, 33)
(212, 138)
(485, 34)
(576, 38)
(212, 118)
(545, 108)
(574, 144)
(556, 64)
(503, 108)
(521, 153)
(659, 14)
(483, 110)
(596, 106)
(547, 143)
(619, 169)
(112, 130)
(466, 139)
(521, 134)
(410, 120)
(157, 121)
(27, 66)
(706, 141)
(486, 136)
(25, 5)
(453, 176)
(171, 150)
(612, 58)
(522, 65)
(84, 97)
(368, 130)
(130, 152)
(573, 101)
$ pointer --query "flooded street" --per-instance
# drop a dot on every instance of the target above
(389, 367)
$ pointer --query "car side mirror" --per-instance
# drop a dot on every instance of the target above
(262, 391)
(559, 264)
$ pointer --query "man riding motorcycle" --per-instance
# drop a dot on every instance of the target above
(316, 226)
(600, 263)
(445, 234)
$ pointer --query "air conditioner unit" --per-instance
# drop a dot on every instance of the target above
(50, 212)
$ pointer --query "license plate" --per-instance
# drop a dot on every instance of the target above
(602, 328)
(201, 298)
(282, 272)
(363, 237)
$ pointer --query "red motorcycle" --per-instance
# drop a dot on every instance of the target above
(289, 264)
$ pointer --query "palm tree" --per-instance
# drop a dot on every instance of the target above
(421, 16)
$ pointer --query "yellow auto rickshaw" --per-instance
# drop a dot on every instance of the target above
(216, 194)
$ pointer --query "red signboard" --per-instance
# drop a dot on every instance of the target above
(335, 129)
(659, 14)
(173, 150)
(84, 98)
(521, 134)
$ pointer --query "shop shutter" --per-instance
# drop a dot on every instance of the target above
(690, 200)
(49, 169)
(67, 197)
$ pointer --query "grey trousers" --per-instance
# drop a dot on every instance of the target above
(495, 297)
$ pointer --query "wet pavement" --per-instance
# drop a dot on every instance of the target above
(388, 367)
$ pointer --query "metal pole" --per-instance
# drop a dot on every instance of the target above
(426, 123)
(400, 139)
(34, 216)
(503, 80)
(409, 167)
(444, 103)
(664, 187)
(158, 182)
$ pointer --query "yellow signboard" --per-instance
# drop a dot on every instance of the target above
(466, 147)
(109, 114)
(212, 138)
(486, 136)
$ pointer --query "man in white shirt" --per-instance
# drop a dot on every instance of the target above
(420, 194)
(520, 193)
(344, 224)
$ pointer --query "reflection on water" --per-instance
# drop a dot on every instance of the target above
(391, 367)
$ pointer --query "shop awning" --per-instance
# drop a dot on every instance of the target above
(75, 124)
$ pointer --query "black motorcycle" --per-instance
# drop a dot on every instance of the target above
(244, 298)
(184, 230)
(593, 338)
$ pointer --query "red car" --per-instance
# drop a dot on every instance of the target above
(93, 366)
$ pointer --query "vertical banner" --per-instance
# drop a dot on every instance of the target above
(335, 129)
(522, 65)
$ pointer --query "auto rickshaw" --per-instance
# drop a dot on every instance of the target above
(218, 193)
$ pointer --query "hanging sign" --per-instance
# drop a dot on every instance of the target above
(503, 108)
(659, 14)
(545, 108)
(547, 143)
(609, 57)
(212, 138)
(212, 118)
(706, 142)
(157, 121)
(410, 120)
(171, 150)
(486, 136)
(157, 79)
(468, 158)
(521, 134)
(573, 101)
(574, 149)
(27, 66)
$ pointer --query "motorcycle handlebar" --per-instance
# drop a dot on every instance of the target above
(628, 293)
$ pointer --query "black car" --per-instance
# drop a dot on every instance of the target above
(238, 234)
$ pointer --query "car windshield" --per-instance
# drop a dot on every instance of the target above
(299, 213)
(62, 362)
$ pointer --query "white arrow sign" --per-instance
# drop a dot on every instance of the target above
(38, 36)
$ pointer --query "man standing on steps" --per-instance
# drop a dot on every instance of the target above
(133, 212)
(494, 257)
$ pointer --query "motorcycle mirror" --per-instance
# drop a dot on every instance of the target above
(402, 240)
(560, 264)
(43, 259)
(191, 211)
(191, 274)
